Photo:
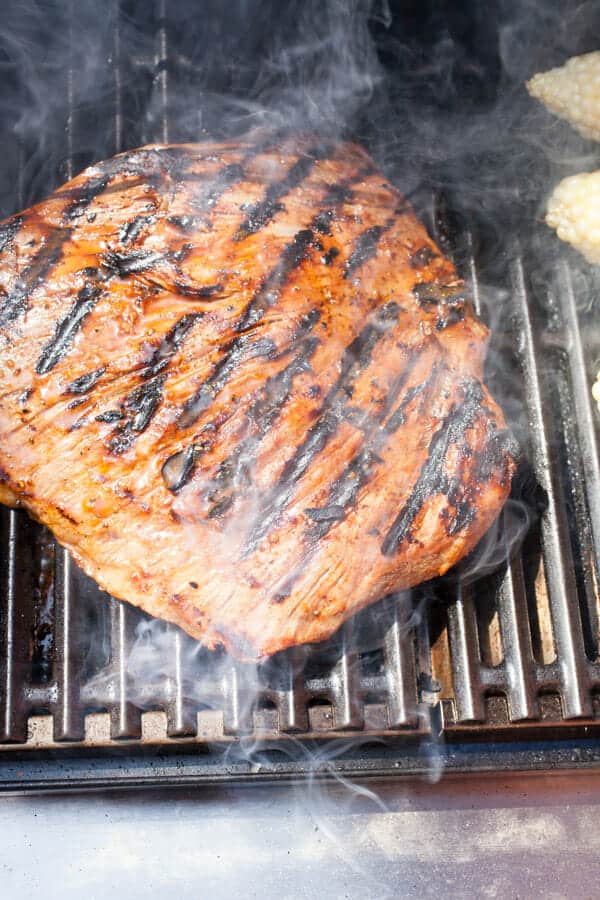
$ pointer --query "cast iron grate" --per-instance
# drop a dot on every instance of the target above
(513, 655)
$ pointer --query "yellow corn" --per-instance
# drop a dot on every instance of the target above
(596, 390)
(574, 210)
(572, 92)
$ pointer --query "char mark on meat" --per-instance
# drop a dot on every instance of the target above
(264, 409)
(243, 346)
(259, 214)
(68, 327)
(432, 478)
(365, 247)
(355, 358)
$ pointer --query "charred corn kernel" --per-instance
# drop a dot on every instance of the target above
(574, 210)
(596, 390)
(572, 92)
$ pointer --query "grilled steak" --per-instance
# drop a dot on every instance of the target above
(243, 386)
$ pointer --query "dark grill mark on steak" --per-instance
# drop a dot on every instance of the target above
(266, 296)
(86, 382)
(422, 257)
(244, 347)
(273, 396)
(170, 344)
(398, 417)
(111, 415)
(432, 479)
(178, 468)
(16, 302)
(67, 328)
(137, 261)
(241, 346)
(322, 222)
(365, 247)
(259, 214)
(186, 224)
(355, 358)
(84, 195)
(336, 196)
(137, 408)
(344, 492)
(234, 471)
(141, 404)
(325, 514)
(328, 258)
(452, 316)
(203, 292)
(291, 257)
(431, 293)
(130, 231)
(8, 231)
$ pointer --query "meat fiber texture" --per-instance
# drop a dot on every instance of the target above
(242, 386)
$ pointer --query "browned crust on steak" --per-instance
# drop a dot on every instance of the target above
(243, 386)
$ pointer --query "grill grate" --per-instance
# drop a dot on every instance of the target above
(515, 657)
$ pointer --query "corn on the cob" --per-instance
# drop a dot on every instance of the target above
(574, 210)
(596, 390)
(572, 92)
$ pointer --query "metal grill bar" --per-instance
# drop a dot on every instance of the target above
(13, 632)
(68, 716)
(401, 674)
(580, 393)
(125, 717)
(516, 637)
(466, 668)
(291, 698)
(555, 535)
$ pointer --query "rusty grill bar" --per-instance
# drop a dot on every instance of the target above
(515, 658)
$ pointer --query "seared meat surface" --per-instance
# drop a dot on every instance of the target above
(243, 386)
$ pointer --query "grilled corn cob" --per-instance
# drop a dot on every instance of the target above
(596, 390)
(574, 211)
(572, 92)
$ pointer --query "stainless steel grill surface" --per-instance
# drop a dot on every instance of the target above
(475, 673)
